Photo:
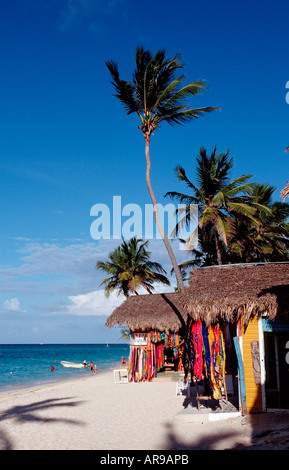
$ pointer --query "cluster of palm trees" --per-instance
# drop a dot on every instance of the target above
(238, 220)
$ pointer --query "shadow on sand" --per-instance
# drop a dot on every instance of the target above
(29, 413)
(260, 431)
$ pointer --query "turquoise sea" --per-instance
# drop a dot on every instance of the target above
(26, 365)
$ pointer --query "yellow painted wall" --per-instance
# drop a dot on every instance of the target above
(253, 391)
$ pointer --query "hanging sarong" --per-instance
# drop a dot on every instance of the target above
(206, 347)
(177, 346)
(197, 342)
(188, 354)
(223, 359)
(148, 357)
(130, 364)
(160, 361)
(213, 380)
(216, 332)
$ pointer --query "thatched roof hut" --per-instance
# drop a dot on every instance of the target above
(216, 293)
(163, 312)
(231, 291)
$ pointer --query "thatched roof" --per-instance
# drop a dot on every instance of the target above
(217, 293)
(162, 312)
(230, 291)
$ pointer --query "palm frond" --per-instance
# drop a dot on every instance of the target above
(156, 94)
(225, 227)
(285, 192)
(182, 176)
(183, 198)
(129, 267)
(244, 209)
(192, 241)
(208, 214)
(124, 90)
(236, 186)
(170, 99)
(181, 115)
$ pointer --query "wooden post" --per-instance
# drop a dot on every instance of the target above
(241, 377)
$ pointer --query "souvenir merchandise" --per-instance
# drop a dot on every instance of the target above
(202, 352)
(204, 355)
(145, 361)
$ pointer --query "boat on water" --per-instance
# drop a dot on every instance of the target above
(74, 365)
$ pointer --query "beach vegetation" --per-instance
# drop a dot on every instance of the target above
(239, 222)
(266, 237)
(157, 95)
(220, 202)
(130, 268)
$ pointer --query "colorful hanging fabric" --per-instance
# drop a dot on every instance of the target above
(188, 351)
(213, 381)
(160, 356)
(206, 349)
(223, 354)
(203, 352)
(222, 368)
(177, 342)
(216, 332)
(148, 357)
(198, 356)
(130, 364)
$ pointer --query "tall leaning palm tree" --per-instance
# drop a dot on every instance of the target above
(218, 199)
(155, 95)
(130, 268)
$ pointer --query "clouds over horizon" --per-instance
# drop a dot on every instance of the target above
(64, 279)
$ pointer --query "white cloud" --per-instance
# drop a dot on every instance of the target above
(64, 276)
(12, 305)
(96, 303)
(70, 268)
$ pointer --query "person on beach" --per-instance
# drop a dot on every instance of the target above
(91, 367)
(123, 363)
(95, 369)
(52, 368)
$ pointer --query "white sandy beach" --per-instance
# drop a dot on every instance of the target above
(94, 413)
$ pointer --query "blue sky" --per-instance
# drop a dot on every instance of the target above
(66, 144)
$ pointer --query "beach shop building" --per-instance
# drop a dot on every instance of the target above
(156, 323)
(231, 321)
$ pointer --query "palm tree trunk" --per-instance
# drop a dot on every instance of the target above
(218, 249)
(157, 217)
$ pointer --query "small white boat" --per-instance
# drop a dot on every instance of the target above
(74, 365)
